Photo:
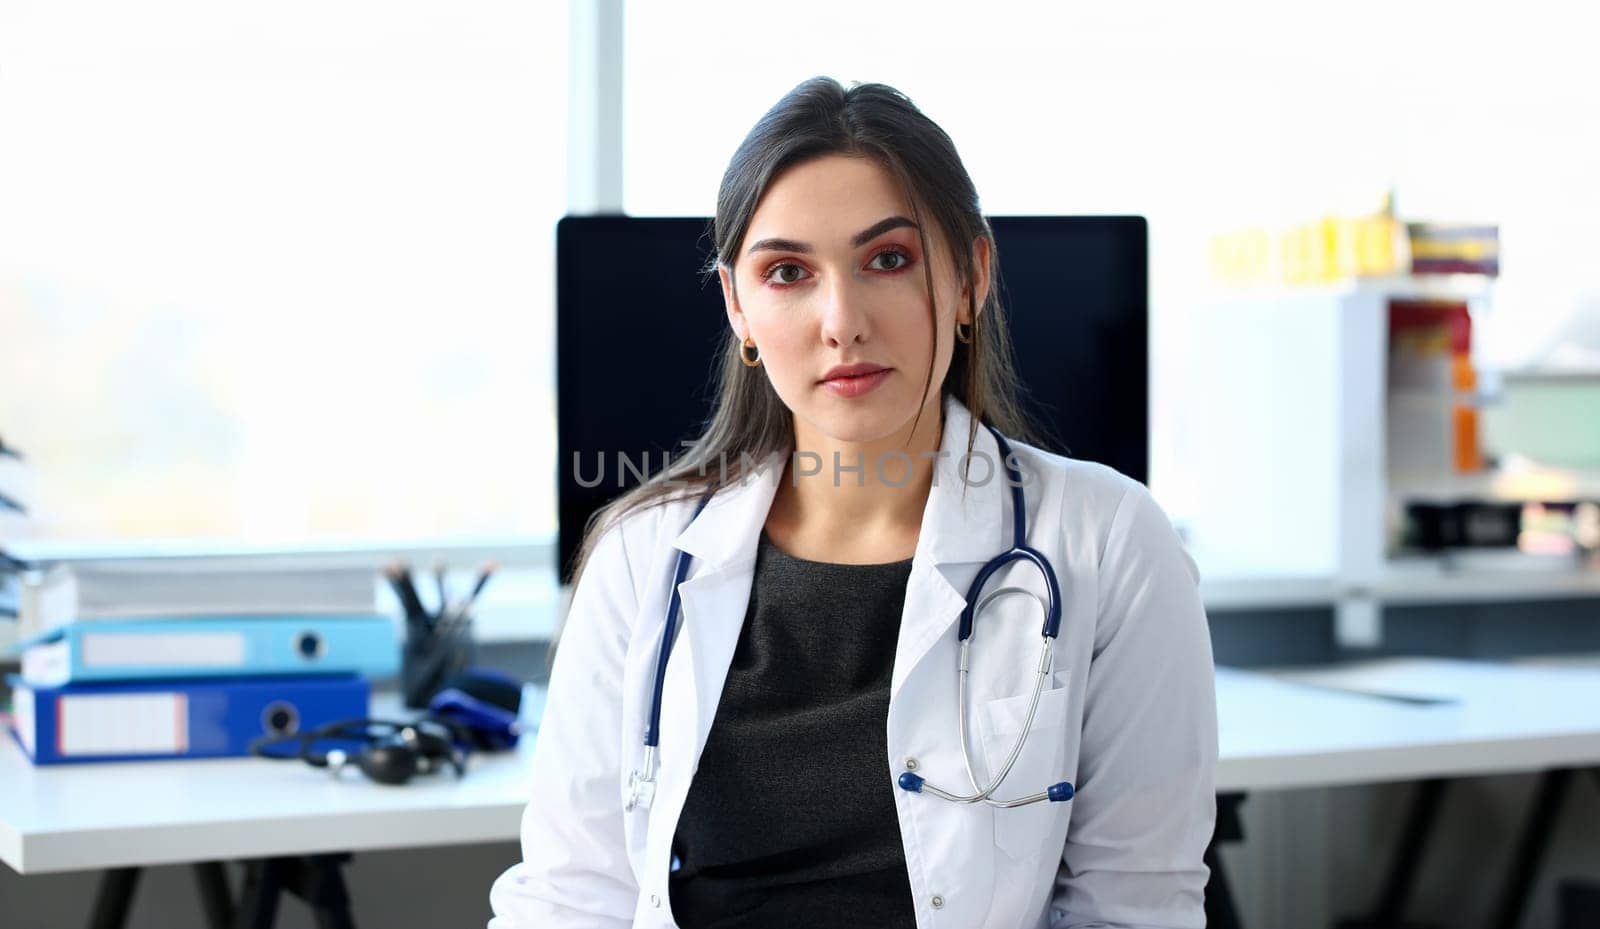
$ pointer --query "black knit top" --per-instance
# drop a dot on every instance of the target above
(790, 819)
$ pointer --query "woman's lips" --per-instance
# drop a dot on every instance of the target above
(858, 385)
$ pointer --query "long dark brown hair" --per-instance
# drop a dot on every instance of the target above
(820, 117)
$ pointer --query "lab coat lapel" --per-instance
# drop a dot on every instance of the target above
(722, 541)
(713, 600)
(963, 526)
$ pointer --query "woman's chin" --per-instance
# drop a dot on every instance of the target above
(863, 422)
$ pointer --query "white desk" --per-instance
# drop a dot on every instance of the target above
(1432, 720)
(1301, 729)
(1276, 732)
(122, 814)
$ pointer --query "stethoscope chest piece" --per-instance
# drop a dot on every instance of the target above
(641, 792)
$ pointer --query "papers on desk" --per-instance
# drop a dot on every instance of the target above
(1375, 680)
(1446, 680)
(52, 598)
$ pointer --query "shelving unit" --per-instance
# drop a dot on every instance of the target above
(1444, 580)
(1286, 439)
(1523, 485)
(15, 483)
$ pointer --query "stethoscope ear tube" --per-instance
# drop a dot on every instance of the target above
(642, 783)
(1052, 604)
(652, 732)
(1020, 550)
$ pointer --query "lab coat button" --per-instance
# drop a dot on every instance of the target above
(938, 902)
(655, 901)
(911, 764)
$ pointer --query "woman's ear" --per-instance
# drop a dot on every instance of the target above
(730, 301)
(980, 274)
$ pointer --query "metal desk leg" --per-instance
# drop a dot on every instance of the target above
(1531, 847)
(1220, 910)
(322, 886)
(215, 898)
(112, 900)
(316, 879)
(258, 906)
(1391, 908)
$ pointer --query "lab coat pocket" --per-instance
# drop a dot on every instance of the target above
(1021, 831)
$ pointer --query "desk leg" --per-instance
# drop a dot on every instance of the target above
(1531, 847)
(215, 898)
(1391, 908)
(316, 879)
(112, 900)
(322, 886)
(258, 906)
(1220, 910)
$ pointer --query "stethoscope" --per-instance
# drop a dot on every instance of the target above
(642, 784)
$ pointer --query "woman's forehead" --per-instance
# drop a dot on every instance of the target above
(827, 202)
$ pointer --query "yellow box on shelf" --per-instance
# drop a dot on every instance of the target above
(1322, 251)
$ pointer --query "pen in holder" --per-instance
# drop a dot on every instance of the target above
(438, 644)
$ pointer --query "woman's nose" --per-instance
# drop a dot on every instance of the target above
(844, 313)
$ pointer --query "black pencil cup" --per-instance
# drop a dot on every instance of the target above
(431, 657)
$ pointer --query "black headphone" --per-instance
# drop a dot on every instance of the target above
(389, 752)
(477, 710)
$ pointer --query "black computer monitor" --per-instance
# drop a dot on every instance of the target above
(638, 333)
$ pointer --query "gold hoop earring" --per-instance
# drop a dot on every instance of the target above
(964, 338)
(744, 356)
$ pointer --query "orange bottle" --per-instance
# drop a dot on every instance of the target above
(1469, 451)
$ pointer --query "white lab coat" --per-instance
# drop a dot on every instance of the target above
(1129, 716)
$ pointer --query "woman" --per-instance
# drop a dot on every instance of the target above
(810, 736)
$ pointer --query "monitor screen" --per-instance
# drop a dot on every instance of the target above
(639, 331)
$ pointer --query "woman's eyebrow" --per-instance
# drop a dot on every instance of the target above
(859, 239)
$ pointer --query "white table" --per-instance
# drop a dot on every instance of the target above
(120, 814)
(291, 822)
(1320, 728)
(1428, 720)
(1277, 731)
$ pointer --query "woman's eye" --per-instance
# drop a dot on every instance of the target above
(779, 273)
(787, 273)
(900, 260)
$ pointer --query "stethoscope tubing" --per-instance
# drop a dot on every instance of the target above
(652, 732)
(642, 782)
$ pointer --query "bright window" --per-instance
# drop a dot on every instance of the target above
(281, 274)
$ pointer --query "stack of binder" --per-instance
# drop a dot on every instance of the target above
(201, 674)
